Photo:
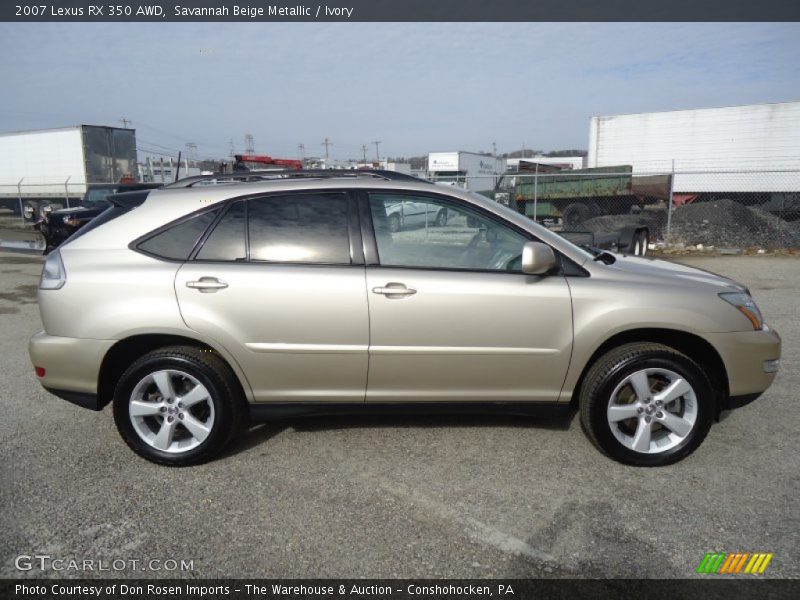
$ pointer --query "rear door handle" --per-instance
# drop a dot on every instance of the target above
(207, 284)
(394, 290)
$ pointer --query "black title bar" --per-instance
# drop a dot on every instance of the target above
(400, 10)
(708, 588)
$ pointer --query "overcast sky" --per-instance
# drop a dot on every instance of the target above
(416, 87)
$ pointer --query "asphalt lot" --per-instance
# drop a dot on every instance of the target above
(444, 496)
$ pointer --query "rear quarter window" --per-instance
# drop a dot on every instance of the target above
(176, 241)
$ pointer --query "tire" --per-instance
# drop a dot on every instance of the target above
(575, 215)
(609, 388)
(394, 223)
(441, 218)
(641, 243)
(221, 413)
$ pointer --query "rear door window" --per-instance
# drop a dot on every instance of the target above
(227, 242)
(300, 228)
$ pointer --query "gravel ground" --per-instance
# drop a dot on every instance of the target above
(725, 223)
(445, 496)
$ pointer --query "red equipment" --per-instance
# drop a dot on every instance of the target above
(263, 159)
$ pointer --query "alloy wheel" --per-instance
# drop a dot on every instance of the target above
(652, 410)
(171, 411)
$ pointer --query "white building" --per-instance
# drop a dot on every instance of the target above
(386, 165)
(474, 172)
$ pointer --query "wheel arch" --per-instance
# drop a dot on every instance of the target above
(695, 347)
(125, 351)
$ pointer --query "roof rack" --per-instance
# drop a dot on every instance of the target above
(261, 176)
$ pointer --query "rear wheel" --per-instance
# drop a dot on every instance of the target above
(576, 214)
(441, 218)
(646, 404)
(641, 243)
(179, 406)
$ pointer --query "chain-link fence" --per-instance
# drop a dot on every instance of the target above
(707, 208)
(26, 200)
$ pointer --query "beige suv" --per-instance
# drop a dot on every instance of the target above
(198, 308)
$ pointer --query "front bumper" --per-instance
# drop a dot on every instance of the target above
(748, 357)
(71, 366)
(54, 236)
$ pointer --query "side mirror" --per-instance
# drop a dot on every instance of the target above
(537, 258)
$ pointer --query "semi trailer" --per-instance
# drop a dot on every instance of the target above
(57, 167)
(749, 154)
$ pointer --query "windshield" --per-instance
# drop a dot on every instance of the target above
(97, 196)
(536, 226)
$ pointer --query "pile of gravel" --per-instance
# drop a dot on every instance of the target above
(725, 223)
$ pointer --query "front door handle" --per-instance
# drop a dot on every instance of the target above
(207, 284)
(394, 290)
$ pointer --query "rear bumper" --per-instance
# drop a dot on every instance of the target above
(71, 366)
(747, 356)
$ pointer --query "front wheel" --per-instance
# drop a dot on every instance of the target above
(178, 406)
(646, 404)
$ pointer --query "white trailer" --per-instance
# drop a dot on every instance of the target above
(57, 166)
(563, 162)
(736, 149)
(473, 172)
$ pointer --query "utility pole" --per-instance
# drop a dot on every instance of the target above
(364, 150)
(494, 149)
(249, 143)
(191, 151)
(377, 150)
(233, 149)
(326, 143)
(125, 122)
(301, 151)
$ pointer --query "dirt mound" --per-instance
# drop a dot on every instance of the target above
(725, 223)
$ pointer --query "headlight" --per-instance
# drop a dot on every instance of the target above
(54, 276)
(745, 305)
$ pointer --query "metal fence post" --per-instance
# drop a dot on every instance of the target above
(19, 197)
(668, 235)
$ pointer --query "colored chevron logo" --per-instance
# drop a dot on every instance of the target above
(725, 563)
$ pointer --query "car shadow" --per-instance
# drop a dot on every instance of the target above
(259, 433)
(426, 421)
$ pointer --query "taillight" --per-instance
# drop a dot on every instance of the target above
(39, 371)
(54, 276)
